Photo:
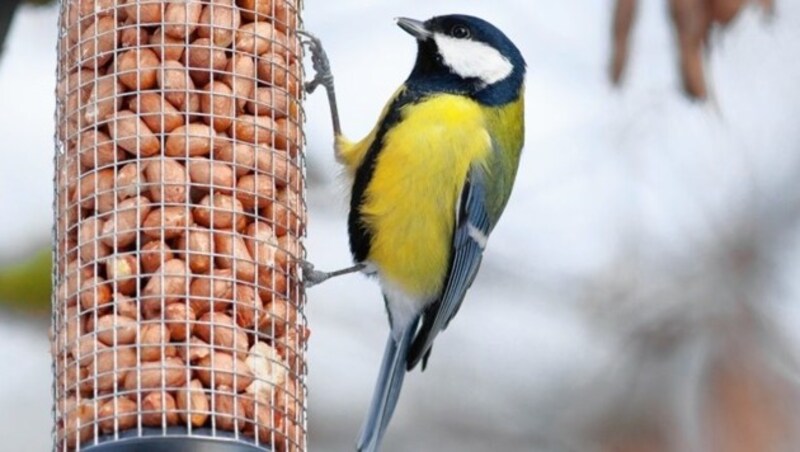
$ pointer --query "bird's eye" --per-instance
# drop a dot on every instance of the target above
(460, 32)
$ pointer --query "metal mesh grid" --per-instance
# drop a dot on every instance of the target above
(179, 214)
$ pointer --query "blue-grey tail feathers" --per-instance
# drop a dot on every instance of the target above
(387, 391)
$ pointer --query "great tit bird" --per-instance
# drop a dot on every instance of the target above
(429, 183)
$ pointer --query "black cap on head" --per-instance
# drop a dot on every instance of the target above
(467, 55)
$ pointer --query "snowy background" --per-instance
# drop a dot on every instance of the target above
(629, 212)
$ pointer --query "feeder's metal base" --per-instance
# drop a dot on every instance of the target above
(175, 440)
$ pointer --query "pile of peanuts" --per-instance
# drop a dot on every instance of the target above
(179, 213)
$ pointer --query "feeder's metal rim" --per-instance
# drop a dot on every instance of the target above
(175, 439)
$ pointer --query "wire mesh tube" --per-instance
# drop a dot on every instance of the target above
(179, 214)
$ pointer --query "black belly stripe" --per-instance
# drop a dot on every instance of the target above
(360, 234)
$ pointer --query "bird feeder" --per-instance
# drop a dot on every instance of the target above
(179, 216)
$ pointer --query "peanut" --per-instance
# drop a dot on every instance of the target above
(171, 370)
(110, 324)
(150, 12)
(97, 42)
(123, 272)
(198, 250)
(154, 254)
(290, 397)
(159, 115)
(167, 223)
(240, 74)
(75, 275)
(219, 329)
(120, 229)
(273, 102)
(95, 294)
(137, 68)
(294, 80)
(279, 11)
(182, 18)
(165, 46)
(210, 175)
(66, 246)
(191, 140)
(220, 368)
(288, 252)
(269, 374)
(88, 8)
(217, 105)
(125, 306)
(273, 69)
(76, 86)
(241, 155)
(262, 419)
(258, 37)
(132, 134)
(287, 213)
(105, 100)
(167, 179)
(255, 190)
(178, 86)
(289, 346)
(117, 414)
(129, 178)
(96, 190)
(179, 319)
(287, 136)
(157, 407)
(133, 36)
(97, 150)
(203, 58)
(108, 371)
(282, 169)
(228, 409)
(91, 249)
(166, 286)
(272, 282)
(254, 129)
(86, 350)
(193, 405)
(153, 341)
(290, 438)
(78, 421)
(248, 306)
(219, 211)
(214, 290)
(218, 21)
(195, 350)
(280, 316)
(71, 328)
(261, 242)
(233, 253)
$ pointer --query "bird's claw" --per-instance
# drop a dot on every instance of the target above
(312, 277)
(320, 62)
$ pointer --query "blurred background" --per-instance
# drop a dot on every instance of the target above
(641, 294)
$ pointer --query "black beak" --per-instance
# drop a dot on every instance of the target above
(414, 27)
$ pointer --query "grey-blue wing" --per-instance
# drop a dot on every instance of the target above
(473, 226)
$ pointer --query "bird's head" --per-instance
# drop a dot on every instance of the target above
(465, 55)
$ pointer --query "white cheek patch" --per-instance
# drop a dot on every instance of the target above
(472, 59)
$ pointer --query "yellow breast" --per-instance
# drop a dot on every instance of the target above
(410, 202)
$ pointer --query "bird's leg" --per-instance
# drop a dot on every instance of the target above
(313, 277)
(323, 76)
